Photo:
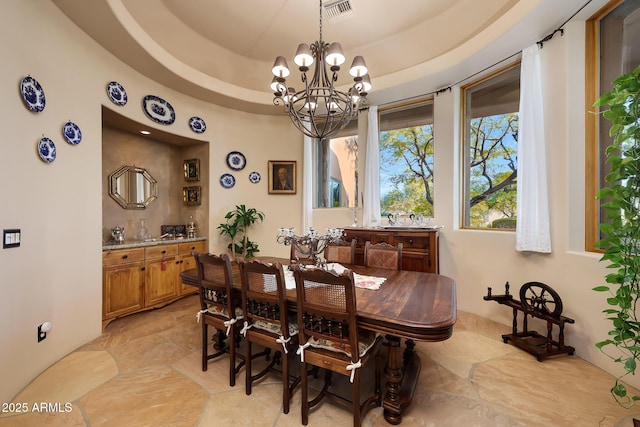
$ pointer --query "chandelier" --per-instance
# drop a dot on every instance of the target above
(320, 110)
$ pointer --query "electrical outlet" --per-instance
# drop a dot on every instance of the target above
(42, 330)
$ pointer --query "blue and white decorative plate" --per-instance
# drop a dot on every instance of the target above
(254, 177)
(47, 149)
(117, 94)
(72, 133)
(197, 124)
(227, 180)
(158, 110)
(32, 94)
(236, 160)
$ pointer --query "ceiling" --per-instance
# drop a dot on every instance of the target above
(222, 51)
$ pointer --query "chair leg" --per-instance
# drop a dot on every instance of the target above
(205, 344)
(285, 383)
(304, 397)
(247, 369)
(232, 359)
(355, 395)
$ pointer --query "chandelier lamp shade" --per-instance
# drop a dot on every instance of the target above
(320, 110)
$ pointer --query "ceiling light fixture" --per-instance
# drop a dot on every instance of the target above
(320, 110)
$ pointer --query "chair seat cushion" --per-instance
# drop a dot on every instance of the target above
(274, 328)
(366, 339)
(222, 311)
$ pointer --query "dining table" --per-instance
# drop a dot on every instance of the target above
(400, 304)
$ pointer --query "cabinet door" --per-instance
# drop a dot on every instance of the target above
(160, 281)
(187, 263)
(122, 290)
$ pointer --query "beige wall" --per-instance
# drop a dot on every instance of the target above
(55, 275)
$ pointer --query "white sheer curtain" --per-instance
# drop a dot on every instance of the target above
(532, 227)
(307, 184)
(371, 195)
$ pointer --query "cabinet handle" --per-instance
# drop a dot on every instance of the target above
(411, 241)
(164, 252)
(142, 269)
(125, 256)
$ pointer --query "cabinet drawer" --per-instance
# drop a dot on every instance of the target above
(412, 242)
(188, 247)
(360, 236)
(122, 256)
(381, 237)
(161, 251)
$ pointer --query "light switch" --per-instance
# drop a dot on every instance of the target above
(11, 238)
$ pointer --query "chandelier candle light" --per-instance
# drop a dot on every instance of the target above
(311, 244)
(320, 110)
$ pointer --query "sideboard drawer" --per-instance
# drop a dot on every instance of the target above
(161, 251)
(412, 242)
(188, 247)
(122, 256)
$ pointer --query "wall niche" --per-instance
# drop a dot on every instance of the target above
(162, 154)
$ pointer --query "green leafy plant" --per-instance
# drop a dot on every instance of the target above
(621, 229)
(236, 226)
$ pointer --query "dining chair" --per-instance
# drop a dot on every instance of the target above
(220, 309)
(329, 338)
(341, 251)
(269, 323)
(383, 255)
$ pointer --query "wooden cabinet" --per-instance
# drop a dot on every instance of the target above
(142, 278)
(419, 246)
(122, 282)
(188, 262)
(161, 271)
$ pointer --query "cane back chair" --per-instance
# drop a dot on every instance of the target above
(330, 339)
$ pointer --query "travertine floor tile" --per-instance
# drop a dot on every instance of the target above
(145, 370)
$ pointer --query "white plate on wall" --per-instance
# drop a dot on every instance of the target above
(158, 110)
(32, 94)
(117, 94)
(46, 150)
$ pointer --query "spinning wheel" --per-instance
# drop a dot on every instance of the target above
(541, 298)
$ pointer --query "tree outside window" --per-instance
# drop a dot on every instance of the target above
(491, 141)
(406, 160)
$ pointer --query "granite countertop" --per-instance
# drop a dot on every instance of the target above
(133, 243)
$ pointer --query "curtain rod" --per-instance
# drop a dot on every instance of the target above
(540, 43)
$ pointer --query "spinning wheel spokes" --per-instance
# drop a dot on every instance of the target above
(539, 297)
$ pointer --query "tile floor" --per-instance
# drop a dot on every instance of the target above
(145, 371)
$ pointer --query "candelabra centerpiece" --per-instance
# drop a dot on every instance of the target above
(311, 244)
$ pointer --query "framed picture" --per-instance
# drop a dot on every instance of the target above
(191, 195)
(192, 170)
(282, 177)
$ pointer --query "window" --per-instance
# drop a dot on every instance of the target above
(613, 48)
(491, 143)
(406, 159)
(336, 165)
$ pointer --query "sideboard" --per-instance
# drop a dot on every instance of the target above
(143, 276)
(419, 245)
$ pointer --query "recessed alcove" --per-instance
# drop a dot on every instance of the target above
(162, 154)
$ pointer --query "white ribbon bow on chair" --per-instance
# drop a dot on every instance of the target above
(245, 328)
(199, 315)
(300, 350)
(229, 323)
(352, 367)
(284, 342)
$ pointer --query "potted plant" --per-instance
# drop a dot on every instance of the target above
(621, 229)
(237, 223)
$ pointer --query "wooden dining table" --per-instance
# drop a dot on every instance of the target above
(409, 305)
